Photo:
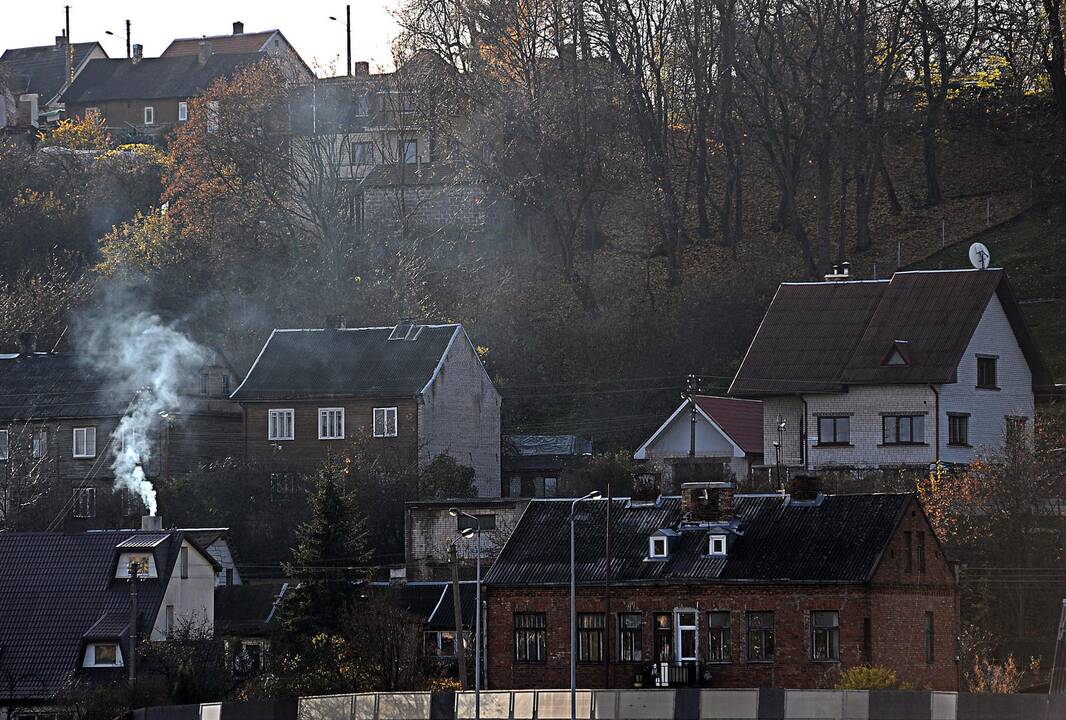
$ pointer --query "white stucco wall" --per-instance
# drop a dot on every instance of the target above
(676, 439)
(193, 597)
(460, 415)
(865, 405)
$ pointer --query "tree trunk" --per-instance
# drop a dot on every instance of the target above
(890, 187)
(1055, 61)
(932, 181)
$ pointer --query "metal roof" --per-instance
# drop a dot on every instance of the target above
(780, 541)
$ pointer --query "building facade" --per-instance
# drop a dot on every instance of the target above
(405, 394)
(759, 591)
(430, 529)
(924, 368)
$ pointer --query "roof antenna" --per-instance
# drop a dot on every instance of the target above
(61, 336)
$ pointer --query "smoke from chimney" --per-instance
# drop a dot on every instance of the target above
(150, 361)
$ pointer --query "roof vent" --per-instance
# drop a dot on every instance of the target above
(898, 355)
(840, 273)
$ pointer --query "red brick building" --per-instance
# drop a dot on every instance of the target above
(714, 590)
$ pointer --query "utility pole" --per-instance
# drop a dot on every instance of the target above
(348, 26)
(690, 393)
(129, 53)
(131, 661)
(457, 608)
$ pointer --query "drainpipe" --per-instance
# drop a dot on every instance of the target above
(803, 434)
(936, 423)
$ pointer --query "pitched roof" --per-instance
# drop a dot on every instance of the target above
(838, 539)
(247, 609)
(431, 601)
(181, 76)
(42, 69)
(224, 44)
(47, 386)
(57, 590)
(346, 362)
(819, 337)
(741, 420)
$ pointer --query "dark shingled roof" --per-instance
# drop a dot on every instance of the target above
(431, 601)
(49, 386)
(58, 590)
(41, 69)
(838, 539)
(347, 362)
(247, 609)
(181, 76)
(820, 337)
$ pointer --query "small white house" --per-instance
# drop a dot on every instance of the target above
(926, 367)
(729, 432)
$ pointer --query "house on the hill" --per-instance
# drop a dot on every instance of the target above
(926, 367)
(720, 590)
(532, 464)
(728, 440)
(405, 393)
(58, 434)
(65, 605)
(38, 76)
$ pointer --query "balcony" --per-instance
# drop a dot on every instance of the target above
(678, 673)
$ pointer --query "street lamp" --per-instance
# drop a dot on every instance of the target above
(468, 533)
(348, 30)
(594, 495)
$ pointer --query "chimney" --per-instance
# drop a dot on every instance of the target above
(152, 522)
(839, 273)
(845, 268)
(398, 576)
(238, 27)
(362, 67)
(708, 501)
(804, 487)
(646, 488)
(336, 322)
(27, 343)
(138, 53)
(205, 50)
(61, 40)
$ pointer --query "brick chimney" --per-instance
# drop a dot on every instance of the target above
(152, 522)
(362, 67)
(647, 487)
(238, 27)
(61, 40)
(138, 53)
(708, 501)
(804, 487)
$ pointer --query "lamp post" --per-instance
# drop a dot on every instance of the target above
(594, 495)
(467, 533)
(348, 30)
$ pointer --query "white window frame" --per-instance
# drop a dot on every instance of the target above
(717, 545)
(39, 443)
(149, 115)
(381, 430)
(183, 111)
(279, 413)
(90, 511)
(90, 655)
(5, 444)
(324, 422)
(86, 433)
(694, 628)
(654, 540)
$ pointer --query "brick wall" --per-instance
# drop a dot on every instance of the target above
(895, 602)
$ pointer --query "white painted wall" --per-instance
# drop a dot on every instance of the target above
(193, 597)
(988, 409)
(675, 440)
(220, 551)
(460, 415)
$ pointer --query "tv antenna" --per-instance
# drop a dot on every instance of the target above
(979, 256)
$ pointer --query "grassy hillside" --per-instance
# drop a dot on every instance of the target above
(1032, 248)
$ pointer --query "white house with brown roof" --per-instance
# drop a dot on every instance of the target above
(729, 432)
(925, 367)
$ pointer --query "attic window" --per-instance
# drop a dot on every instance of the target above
(103, 654)
(716, 545)
(405, 331)
(657, 548)
(898, 355)
(145, 565)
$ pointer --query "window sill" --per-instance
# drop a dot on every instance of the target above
(331, 438)
(827, 661)
(85, 457)
(994, 388)
(280, 439)
(833, 445)
(960, 445)
(903, 444)
(721, 662)
(760, 662)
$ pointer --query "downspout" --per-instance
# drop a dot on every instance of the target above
(803, 434)
(936, 423)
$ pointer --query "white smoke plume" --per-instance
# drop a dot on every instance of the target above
(152, 361)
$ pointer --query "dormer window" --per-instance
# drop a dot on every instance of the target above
(898, 355)
(102, 654)
(145, 565)
(716, 545)
(657, 548)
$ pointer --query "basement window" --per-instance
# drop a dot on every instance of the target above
(281, 424)
(103, 654)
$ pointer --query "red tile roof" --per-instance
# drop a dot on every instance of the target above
(740, 419)
(227, 44)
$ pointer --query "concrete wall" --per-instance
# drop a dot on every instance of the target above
(460, 416)
(429, 530)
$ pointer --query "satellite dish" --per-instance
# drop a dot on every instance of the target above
(979, 256)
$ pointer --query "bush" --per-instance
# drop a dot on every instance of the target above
(866, 677)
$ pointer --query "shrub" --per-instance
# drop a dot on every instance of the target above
(865, 677)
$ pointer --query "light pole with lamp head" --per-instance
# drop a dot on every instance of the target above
(468, 533)
(348, 30)
(594, 495)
